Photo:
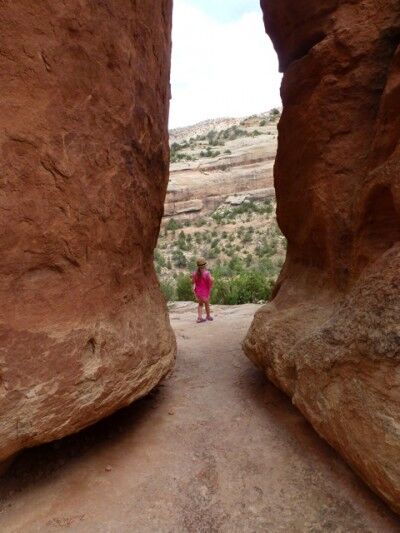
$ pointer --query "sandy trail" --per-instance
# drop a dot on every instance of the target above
(215, 448)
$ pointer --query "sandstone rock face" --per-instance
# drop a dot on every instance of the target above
(84, 169)
(331, 336)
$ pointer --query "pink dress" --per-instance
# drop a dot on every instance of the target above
(203, 285)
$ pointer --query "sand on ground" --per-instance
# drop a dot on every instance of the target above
(216, 448)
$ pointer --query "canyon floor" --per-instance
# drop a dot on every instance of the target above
(214, 448)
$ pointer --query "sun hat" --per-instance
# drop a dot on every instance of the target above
(201, 262)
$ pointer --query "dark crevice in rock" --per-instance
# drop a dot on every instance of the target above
(305, 48)
(380, 226)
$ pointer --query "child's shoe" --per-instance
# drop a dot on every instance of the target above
(210, 318)
(200, 320)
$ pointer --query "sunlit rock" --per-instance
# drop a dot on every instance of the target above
(84, 168)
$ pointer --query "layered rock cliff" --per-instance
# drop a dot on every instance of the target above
(219, 159)
(331, 336)
(84, 170)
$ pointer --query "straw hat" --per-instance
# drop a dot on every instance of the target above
(201, 262)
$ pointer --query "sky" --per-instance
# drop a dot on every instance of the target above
(223, 63)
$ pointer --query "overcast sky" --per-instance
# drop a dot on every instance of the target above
(223, 63)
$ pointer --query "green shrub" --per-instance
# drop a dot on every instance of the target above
(248, 260)
(179, 259)
(176, 154)
(247, 237)
(218, 216)
(213, 253)
(176, 158)
(263, 123)
(266, 267)
(251, 287)
(159, 258)
(173, 225)
(182, 245)
(222, 292)
(168, 290)
(210, 153)
(236, 265)
(192, 265)
(184, 289)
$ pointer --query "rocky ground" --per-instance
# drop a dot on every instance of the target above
(215, 448)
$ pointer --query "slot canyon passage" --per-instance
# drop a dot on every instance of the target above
(84, 328)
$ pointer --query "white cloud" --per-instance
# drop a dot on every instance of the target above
(220, 69)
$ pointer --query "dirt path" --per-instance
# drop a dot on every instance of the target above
(215, 448)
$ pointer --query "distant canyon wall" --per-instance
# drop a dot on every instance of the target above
(331, 336)
(84, 169)
(198, 188)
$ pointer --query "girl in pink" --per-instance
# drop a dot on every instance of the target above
(202, 285)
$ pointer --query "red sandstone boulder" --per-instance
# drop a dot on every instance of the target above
(331, 336)
(84, 168)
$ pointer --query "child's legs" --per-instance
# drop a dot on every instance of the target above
(200, 309)
(208, 311)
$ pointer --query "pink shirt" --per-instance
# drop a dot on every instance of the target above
(202, 285)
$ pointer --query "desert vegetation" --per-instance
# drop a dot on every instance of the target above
(216, 142)
(243, 245)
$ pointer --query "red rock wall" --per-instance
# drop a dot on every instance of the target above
(84, 166)
(331, 336)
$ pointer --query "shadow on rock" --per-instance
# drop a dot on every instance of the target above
(42, 463)
(304, 441)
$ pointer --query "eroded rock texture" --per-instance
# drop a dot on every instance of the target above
(84, 163)
(331, 336)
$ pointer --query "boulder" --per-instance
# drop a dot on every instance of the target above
(84, 169)
(330, 338)
(235, 200)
